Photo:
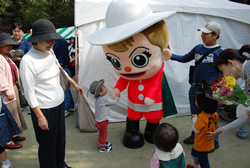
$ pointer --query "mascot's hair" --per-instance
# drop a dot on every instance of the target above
(157, 34)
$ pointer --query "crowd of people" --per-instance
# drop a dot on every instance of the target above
(49, 104)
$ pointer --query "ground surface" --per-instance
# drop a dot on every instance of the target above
(82, 151)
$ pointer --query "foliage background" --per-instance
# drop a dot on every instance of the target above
(60, 12)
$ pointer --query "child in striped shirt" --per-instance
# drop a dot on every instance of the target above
(102, 113)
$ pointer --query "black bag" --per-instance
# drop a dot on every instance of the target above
(23, 102)
(192, 68)
(191, 74)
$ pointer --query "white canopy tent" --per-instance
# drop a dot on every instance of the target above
(89, 17)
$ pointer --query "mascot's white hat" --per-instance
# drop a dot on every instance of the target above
(125, 18)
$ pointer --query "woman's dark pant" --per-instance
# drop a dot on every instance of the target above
(51, 151)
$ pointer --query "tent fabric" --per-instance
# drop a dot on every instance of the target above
(66, 32)
(183, 34)
(217, 8)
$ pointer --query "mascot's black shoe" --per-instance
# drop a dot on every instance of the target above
(149, 131)
(133, 138)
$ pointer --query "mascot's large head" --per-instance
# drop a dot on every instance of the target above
(135, 39)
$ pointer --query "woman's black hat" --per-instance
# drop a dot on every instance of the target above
(43, 30)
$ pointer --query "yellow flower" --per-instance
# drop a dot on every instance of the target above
(230, 82)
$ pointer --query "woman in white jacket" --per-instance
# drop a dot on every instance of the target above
(236, 63)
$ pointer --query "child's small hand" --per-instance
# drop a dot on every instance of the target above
(193, 115)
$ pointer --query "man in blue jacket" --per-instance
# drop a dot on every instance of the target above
(205, 71)
(25, 46)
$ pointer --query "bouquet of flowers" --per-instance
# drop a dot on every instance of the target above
(227, 91)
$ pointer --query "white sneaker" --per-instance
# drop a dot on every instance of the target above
(67, 113)
(105, 149)
(8, 165)
(108, 148)
(108, 144)
(72, 109)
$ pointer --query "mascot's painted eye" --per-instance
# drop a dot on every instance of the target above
(141, 60)
(116, 63)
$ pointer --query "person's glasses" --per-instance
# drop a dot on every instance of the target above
(17, 31)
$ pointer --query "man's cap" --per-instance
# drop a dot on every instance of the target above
(210, 27)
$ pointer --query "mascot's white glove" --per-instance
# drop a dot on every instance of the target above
(242, 111)
(148, 101)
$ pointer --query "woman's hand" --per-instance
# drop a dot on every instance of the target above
(43, 123)
(212, 135)
(79, 89)
(10, 97)
(16, 59)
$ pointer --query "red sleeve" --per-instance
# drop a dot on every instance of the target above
(121, 84)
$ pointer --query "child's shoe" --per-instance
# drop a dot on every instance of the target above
(108, 148)
(105, 149)
(190, 166)
(108, 144)
(8, 165)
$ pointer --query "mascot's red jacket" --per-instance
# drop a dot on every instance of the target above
(138, 90)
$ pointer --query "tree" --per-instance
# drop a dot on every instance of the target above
(3, 6)
(61, 13)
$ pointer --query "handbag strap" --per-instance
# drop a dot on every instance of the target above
(57, 63)
(204, 56)
(17, 84)
(15, 76)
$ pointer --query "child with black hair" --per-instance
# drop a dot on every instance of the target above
(102, 113)
(206, 121)
(168, 152)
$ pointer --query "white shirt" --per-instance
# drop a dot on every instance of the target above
(41, 80)
(243, 117)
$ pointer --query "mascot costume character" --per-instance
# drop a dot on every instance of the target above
(135, 41)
